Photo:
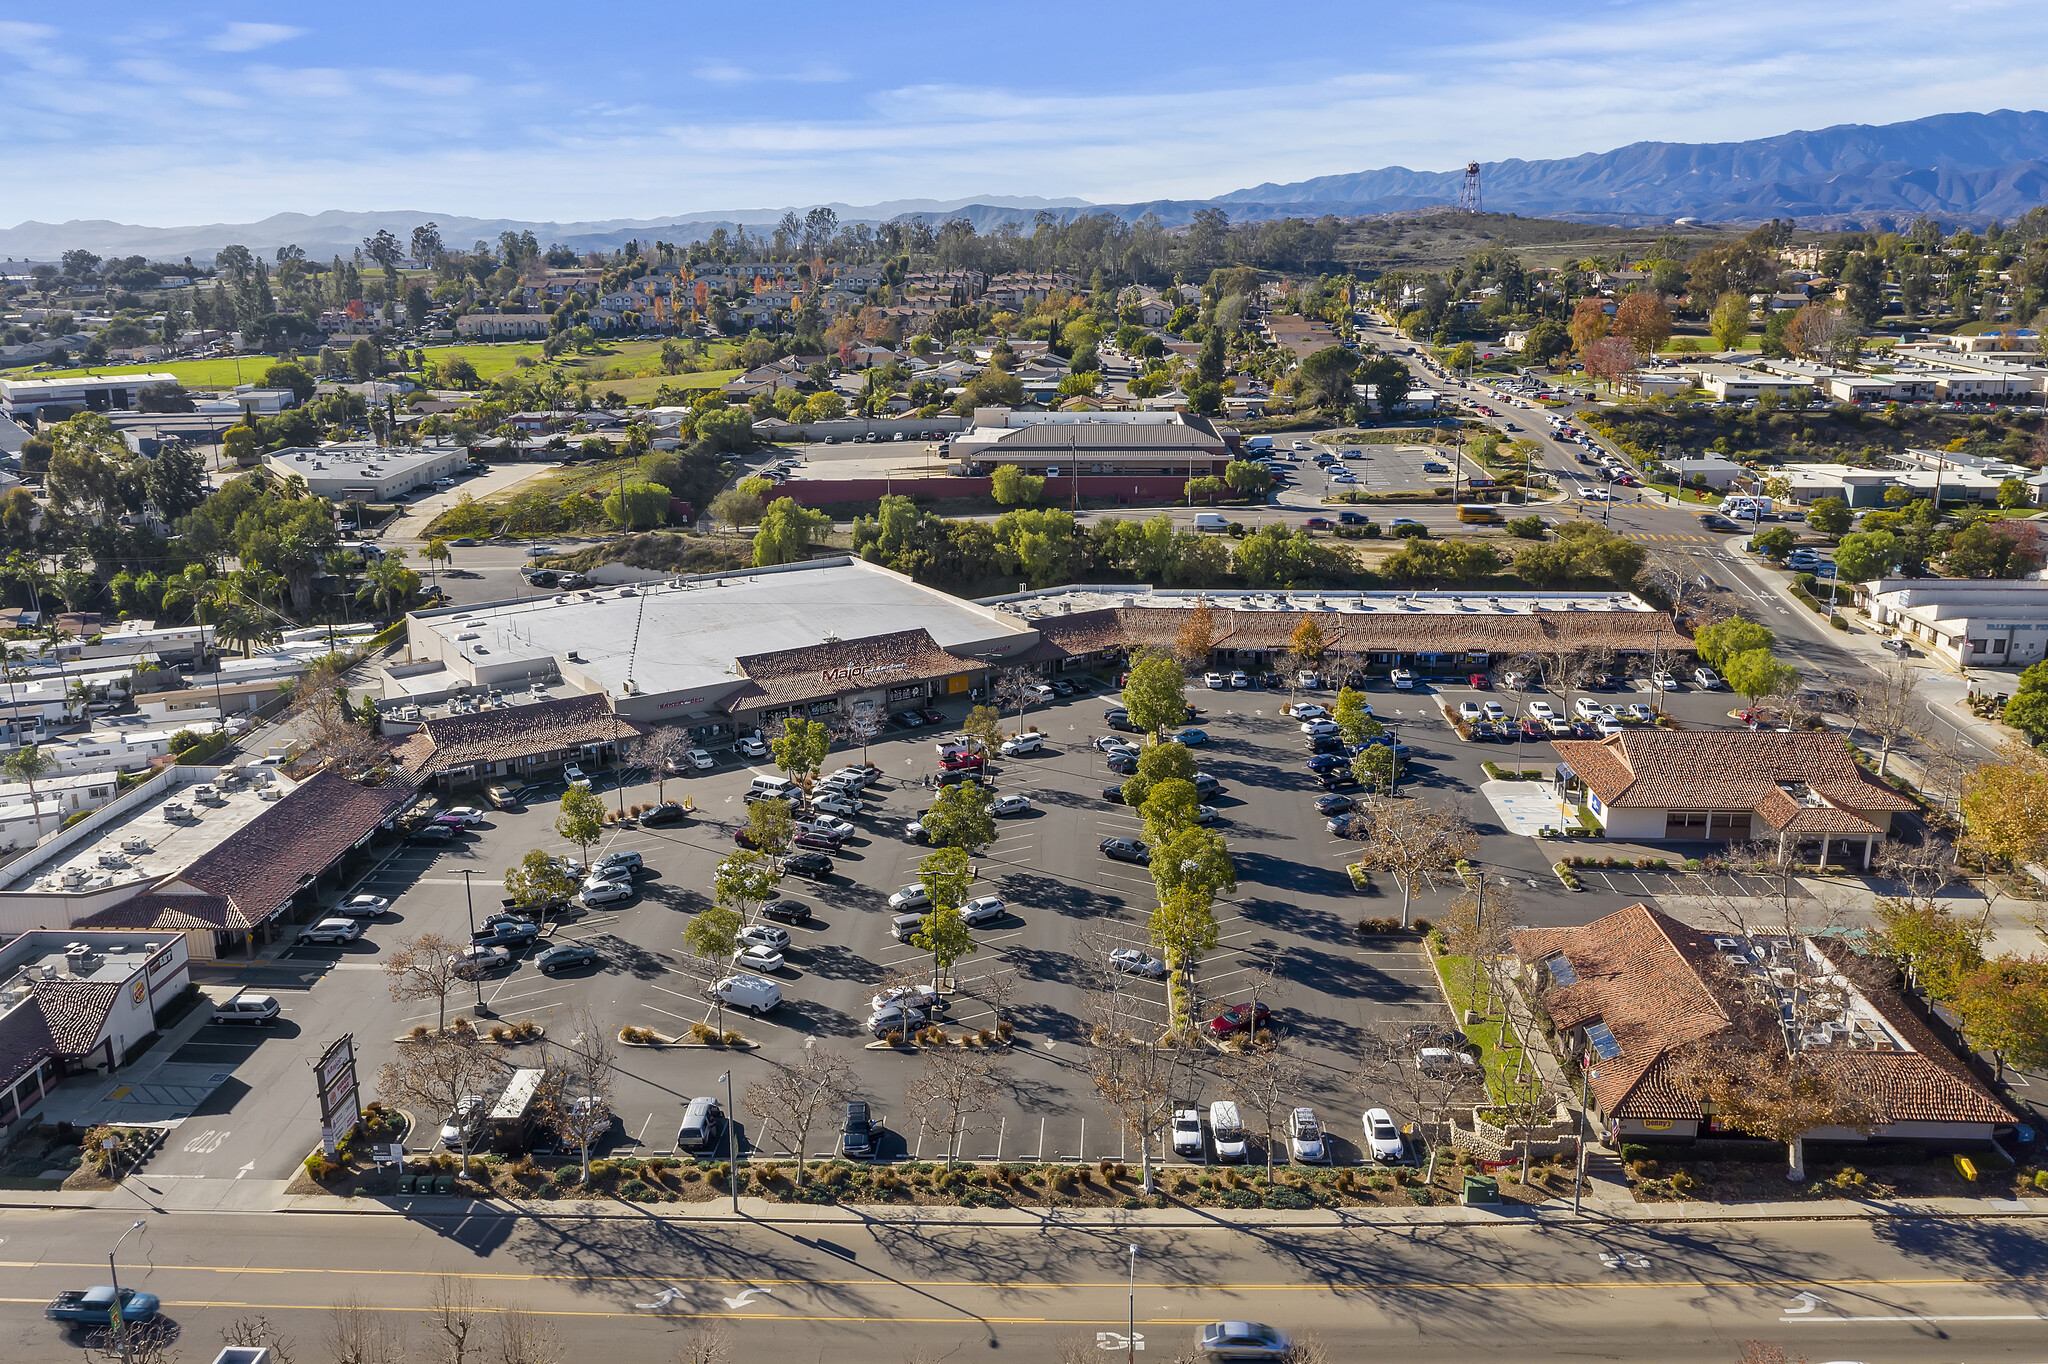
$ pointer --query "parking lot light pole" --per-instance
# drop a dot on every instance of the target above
(474, 974)
(732, 1141)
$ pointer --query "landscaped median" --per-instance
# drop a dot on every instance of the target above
(1486, 1031)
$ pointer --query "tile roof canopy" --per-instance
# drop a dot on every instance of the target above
(75, 1010)
(788, 676)
(490, 736)
(154, 912)
(24, 1040)
(1653, 981)
(1732, 770)
(259, 867)
(1390, 631)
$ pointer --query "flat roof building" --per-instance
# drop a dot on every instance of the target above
(1139, 442)
(1970, 622)
(84, 393)
(366, 473)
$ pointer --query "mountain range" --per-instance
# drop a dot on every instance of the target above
(1962, 169)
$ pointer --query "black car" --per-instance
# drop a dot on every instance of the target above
(1113, 794)
(563, 956)
(1339, 780)
(1062, 687)
(1123, 764)
(1328, 743)
(1355, 681)
(507, 933)
(668, 812)
(432, 834)
(1270, 681)
(955, 778)
(788, 911)
(1123, 849)
(812, 866)
(861, 1136)
(1333, 804)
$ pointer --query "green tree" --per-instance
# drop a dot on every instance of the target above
(1158, 761)
(538, 882)
(1247, 478)
(239, 443)
(1389, 380)
(801, 747)
(1377, 767)
(984, 726)
(725, 430)
(786, 531)
(1012, 487)
(1545, 342)
(959, 818)
(736, 507)
(1195, 857)
(1352, 714)
(1325, 377)
(644, 505)
(743, 882)
(1774, 543)
(1829, 516)
(771, 826)
(1183, 928)
(1719, 642)
(714, 934)
(1936, 950)
(1171, 805)
(946, 876)
(1155, 694)
(1756, 673)
(1867, 555)
(292, 375)
(2013, 493)
(2027, 712)
(362, 359)
(582, 819)
(29, 765)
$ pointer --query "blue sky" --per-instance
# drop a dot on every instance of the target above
(207, 113)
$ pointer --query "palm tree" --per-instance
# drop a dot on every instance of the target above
(239, 625)
(30, 764)
(76, 587)
(187, 589)
(387, 584)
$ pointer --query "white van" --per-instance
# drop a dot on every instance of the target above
(1227, 1131)
(1210, 521)
(752, 993)
(774, 786)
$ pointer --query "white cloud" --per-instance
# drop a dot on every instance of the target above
(304, 82)
(723, 73)
(449, 83)
(249, 37)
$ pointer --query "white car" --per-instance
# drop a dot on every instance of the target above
(1308, 710)
(1305, 1140)
(751, 747)
(479, 961)
(1469, 711)
(1495, 711)
(1707, 678)
(467, 1110)
(1540, 710)
(698, 759)
(896, 1018)
(833, 804)
(574, 776)
(924, 997)
(1663, 681)
(1606, 726)
(910, 897)
(606, 893)
(754, 957)
(1187, 1133)
(859, 777)
(1402, 679)
(468, 814)
(1598, 495)
(1207, 814)
(1586, 708)
(1004, 806)
(1240, 680)
(1215, 681)
(765, 935)
(1136, 962)
(1317, 729)
(825, 824)
(1022, 743)
(1641, 713)
(983, 909)
(1382, 1139)
(1111, 744)
(363, 907)
(336, 931)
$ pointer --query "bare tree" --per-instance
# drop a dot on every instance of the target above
(1390, 1073)
(1409, 837)
(321, 708)
(258, 1331)
(578, 1094)
(455, 1313)
(1475, 926)
(524, 1338)
(1886, 709)
(705, 1345)
(1561, 669)
(954, 1092)
(657, 750)
(790, 1099)
(1136, 1071)
(137, 1342)
(863, 726)
(360, 1334)
(424, 968)
(1268, 1078)
(1921, 869)
(438, 1073)
(1011, 687)
(999, 988)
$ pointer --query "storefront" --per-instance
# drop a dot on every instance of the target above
(851, 680)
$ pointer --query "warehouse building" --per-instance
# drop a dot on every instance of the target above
(366, 473)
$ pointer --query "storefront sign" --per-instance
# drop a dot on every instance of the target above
(340, 1108)
(854, 674)
(686, 701)
(1657, 1124)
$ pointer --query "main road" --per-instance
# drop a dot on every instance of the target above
(858, 1290)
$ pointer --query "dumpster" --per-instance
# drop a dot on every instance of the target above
(1481, 1189)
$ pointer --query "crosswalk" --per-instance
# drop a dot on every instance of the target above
(1646, 537)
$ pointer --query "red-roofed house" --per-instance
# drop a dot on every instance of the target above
(1630, 991)
(1730, 786)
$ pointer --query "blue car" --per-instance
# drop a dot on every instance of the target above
(1191, 737)
(1326, 762)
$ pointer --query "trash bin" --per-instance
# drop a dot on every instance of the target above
(1481, 1189)
(405, 1183)
(445, 1184)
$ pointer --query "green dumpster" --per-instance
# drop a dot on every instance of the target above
(445, 1184)
(405, 1183)
(1482, 1189)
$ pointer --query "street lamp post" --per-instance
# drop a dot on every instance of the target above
(114, 1274)
(732, 1141)
(1131, 1320)
(475, 974)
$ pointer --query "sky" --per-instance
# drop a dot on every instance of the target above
(207, 113)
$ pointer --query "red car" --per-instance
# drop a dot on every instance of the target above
(1480, 682)
(963, 762)
(1237, 1016)
(744, 839)
(1319, 523)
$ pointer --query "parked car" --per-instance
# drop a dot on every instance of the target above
(1238, 1016)
(573, 774)
(507, 934)
(501, 798)
(338, 932)
(362, 906)
(606, 893)
(473, 961)
(1137, 963)
(1305, 1140)
(752, 747)
(860, 1136)
(1333, 804)
(1019, 744)
(1382, 1138)
(1215, 681)
(812, 866)
(756, 957)
(1187, 1133)
(1003, 807)
(910, 897)
(1707, 679)
(983, 909)
(1402, 679)
(1240, 680)
(668, 812)
(1123, 849)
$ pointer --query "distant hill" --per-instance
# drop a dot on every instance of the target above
(1962, 169)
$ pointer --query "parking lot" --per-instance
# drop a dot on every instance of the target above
(1294, 910)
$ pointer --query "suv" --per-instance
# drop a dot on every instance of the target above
(703, 1124)
(261, 1010)
(337, 931)
(861, 1136)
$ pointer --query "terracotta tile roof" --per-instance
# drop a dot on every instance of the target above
(24, 1040)
(817, 671)
(258, 868)
(492, 736)
(1726, 769)
(75, 1010)
(1413, 632)
(169, 912)
(1652, 981)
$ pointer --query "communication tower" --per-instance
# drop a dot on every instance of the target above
(1468, 194)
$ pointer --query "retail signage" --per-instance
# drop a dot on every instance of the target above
(852, 673)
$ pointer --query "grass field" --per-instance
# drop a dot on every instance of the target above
(222, 373)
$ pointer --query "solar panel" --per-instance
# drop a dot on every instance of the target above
(1562, 971)
(1602, 1039)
